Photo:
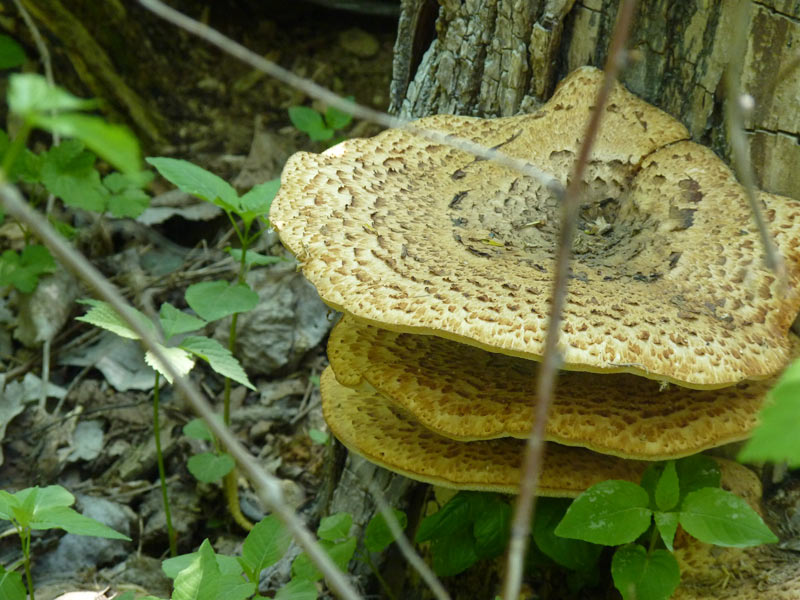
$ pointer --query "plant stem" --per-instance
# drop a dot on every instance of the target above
(25, 539)
(653, 540)
(173, 541)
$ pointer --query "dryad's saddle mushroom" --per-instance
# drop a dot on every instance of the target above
(667, 280)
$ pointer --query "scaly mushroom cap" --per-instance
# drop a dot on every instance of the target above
(371, 426)
(467, 394)
(667, 280)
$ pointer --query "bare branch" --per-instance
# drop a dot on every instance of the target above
(534, 450)
(267, 487)
(734, 123)
(362, 112)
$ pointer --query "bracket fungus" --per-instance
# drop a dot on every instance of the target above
(468, 394)
(667, 279)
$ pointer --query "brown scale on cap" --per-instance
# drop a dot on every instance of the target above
(466, 393)
(372, 426)
(667, 280)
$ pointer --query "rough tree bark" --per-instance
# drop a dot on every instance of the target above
(503, 57)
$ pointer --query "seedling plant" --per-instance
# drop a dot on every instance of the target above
(318, 126)
(640, 520)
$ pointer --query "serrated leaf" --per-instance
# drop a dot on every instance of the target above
(209, 467)
(337, 119)
(102, 315)
(128, 203)
(377, 535)
(62, 517)
(667, 525)
(11, 587)
(335, 527)
(213, 300)
(306, 119)
(297, 589)
(575, 555)
(68, 172)
(340, 554)
(180, 360)
(23, 270)
(218, 358)
(609, 513)
(201, 579)
(197, 429)
(775, 439)
(667, 492)
(266, 543)
(715, 516)
(115, 144)
(174, 321)
(196, 181)
(639, 576)
(30, 93)
(11, 55)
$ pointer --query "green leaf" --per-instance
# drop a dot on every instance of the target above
(8, 502)
(775, 439)
(667, 493)
(609, 513)
(258, 200)
(213, 300)
(11, 587)
(23, 270)
(337, 119)
(715, 516)
(129, 203)
(197, 429)
(61, 517)
(218, 358)
(52, 496)
(253, 258)
(67, 171)
(266, 543)
(340, 553)
(179, 358)
(638, 576)
(26, 166)
(198, 182)
(576, 555)
(228, 565)
(317, 436)
(201, 579)
(209, 467)
(453, 554)
(297, 589)
(102, 315)
(377, 535)
(11, 56)
(113, 143)
(667, 525)
(335, 527)
(491, 527)
(697, 472)
(306, 119)
(447, 520)
(175, 322)
(29, 93)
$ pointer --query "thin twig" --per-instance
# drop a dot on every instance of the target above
(331, 99)
(734, 124)
(266, 486)
(534, 450)
(407, 550)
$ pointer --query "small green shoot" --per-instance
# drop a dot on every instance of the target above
(42, 508)
(319, 127)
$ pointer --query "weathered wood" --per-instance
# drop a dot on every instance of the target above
(501, 57)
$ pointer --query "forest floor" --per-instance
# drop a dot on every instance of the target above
(94, 434)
